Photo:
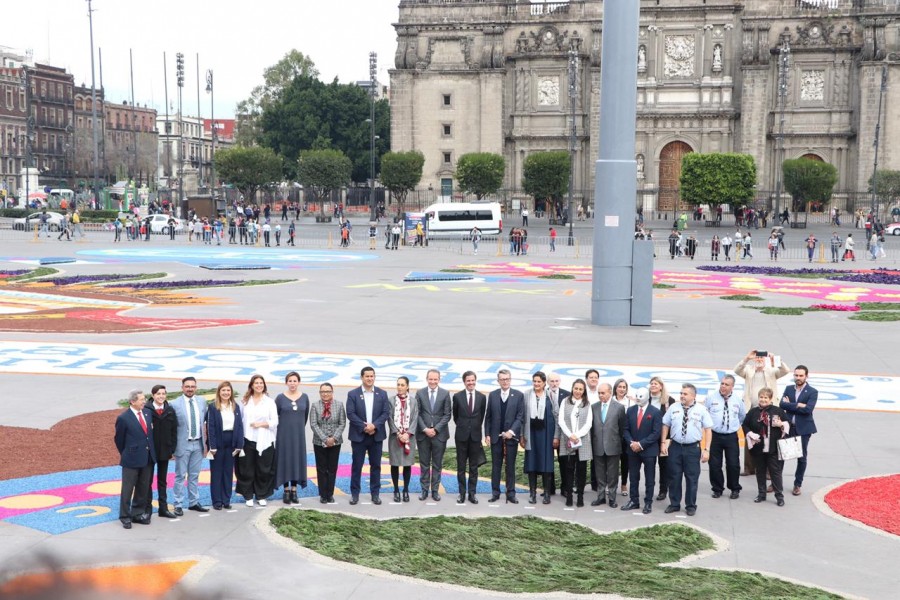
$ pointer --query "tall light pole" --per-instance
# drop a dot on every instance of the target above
(573, 94)
(179, 77)
(784, 57)
(212, 121)
(96, 134)
(29, 132)
(373, 82)
(881, 92)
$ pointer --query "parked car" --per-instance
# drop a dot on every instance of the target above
(160, 224)
(892, 229)
(34, 219)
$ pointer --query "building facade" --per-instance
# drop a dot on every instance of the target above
(776, 79)
(185, 148)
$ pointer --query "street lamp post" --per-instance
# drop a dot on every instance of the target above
(373, 82)
(212, 121)
(96, 134)
(29, 132)
(784, 57)
(179, 77)
(573, 94)
(884, 73)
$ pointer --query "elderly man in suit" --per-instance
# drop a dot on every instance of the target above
(557, 395)
(134, 441)
(165, 439)
(469, 406)
(190, 412)
(799, 402)
(643, 427)
(367, 411)
(432, 433)
(502, 428)
(758, 370)
(606, 442)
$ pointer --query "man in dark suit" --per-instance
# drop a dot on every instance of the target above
(606, 441)
(432, 433)
(799, 402)
(165, 439)
(134, 441)
(502, 428)
(367, 411)
(468, 410)
(643, 426)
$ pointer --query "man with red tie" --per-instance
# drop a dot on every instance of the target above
(643, 426)
(468, 409)
(134, 441)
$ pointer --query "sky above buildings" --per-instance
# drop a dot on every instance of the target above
(237, 40)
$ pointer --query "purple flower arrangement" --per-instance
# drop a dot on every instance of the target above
(879, 276)
(193, 283)
(14, 273)
(79, 279)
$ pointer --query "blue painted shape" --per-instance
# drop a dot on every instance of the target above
(235, 267)
(56, 260)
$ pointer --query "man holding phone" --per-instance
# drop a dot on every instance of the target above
(759, 370)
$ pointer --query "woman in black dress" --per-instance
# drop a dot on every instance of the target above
(763, 426)
(290, 445)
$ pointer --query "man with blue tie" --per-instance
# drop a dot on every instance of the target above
(643, 427)
(502, 429)
(606, 442)
(727, 413)
(134, 441)
(367, 411)
(190, 413)
(799, 402)
(689, 426)
(432, 433)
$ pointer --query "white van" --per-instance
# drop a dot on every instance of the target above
(456, 219)
(57, 195)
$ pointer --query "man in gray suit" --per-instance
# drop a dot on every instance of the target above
(432, 433)
(606, 441)
(190, 413)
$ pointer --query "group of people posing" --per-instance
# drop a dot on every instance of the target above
(597, 428)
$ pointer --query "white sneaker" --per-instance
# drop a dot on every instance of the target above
(249, 503)
(261, 502)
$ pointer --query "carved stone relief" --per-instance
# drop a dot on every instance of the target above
(642, 59)
(548, 91)
(747, 45)
(812, 85)
(717, 58)
(679, 59)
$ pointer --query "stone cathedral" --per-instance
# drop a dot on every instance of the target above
(776, 79)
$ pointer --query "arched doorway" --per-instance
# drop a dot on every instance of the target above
(670, 174)
(815, 157)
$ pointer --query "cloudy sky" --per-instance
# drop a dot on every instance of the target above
(237, 40)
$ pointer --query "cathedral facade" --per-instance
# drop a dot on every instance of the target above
(776, 79)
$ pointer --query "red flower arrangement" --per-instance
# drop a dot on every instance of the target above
(874, 501)
(838, 307)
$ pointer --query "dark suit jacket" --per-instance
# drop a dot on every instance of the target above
(165, 431)
(563, 394)
(515, 415)
(439, 419)
(803, 417)
(356, 414)
(217, 438)
(468, 427)
(647, 435)
(751, 423)
(135, 447)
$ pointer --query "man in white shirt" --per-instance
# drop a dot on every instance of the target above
(190, 412)
(367, 412)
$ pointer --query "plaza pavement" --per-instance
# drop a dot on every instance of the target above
(498, 321)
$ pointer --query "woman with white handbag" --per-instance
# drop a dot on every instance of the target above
(764, 426)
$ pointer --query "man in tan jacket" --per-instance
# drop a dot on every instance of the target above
(758, 370)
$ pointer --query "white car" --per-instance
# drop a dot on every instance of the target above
(55, 221)
(160, 224)
(892, 229)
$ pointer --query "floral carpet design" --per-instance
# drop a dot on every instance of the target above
(874, 501)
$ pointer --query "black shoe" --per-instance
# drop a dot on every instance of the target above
(323, 500)
(141, 520)
(494, 498)
(647, 509)
(717, 494)
(178, 511)
(331, 500)
(580, 502)
(671, 509)
(546, 499)
(423, 495)
(397, 496)
(217, 506)
(376, 500)
(662, 495)
(532, 497)
(405, 496)
(435, 496)
(126, 524)
(461, 499)
(226, 506)
(569, 501)
(599, 501)
(198, 508)
(780, 502)
(632, 505)
(691, 511)
(612, 503)
(735, 495)
(287, 497)
(164, 512)
(473, 499)
(512, 499)
(354, 500)
(760, 499)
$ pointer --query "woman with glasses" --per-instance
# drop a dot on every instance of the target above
(328, 419)
(290, 444)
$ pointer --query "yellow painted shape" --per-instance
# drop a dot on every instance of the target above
(92, 511)
(143, 581)
(106, 488)
(30, 501)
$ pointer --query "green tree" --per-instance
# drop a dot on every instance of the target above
(248, 169)
(400, 173)
(888, 185)
(718, 178)
(312, 114)
(480, 173)
(276, 78)
(545, 176)
(322, 171)
(808, 180)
